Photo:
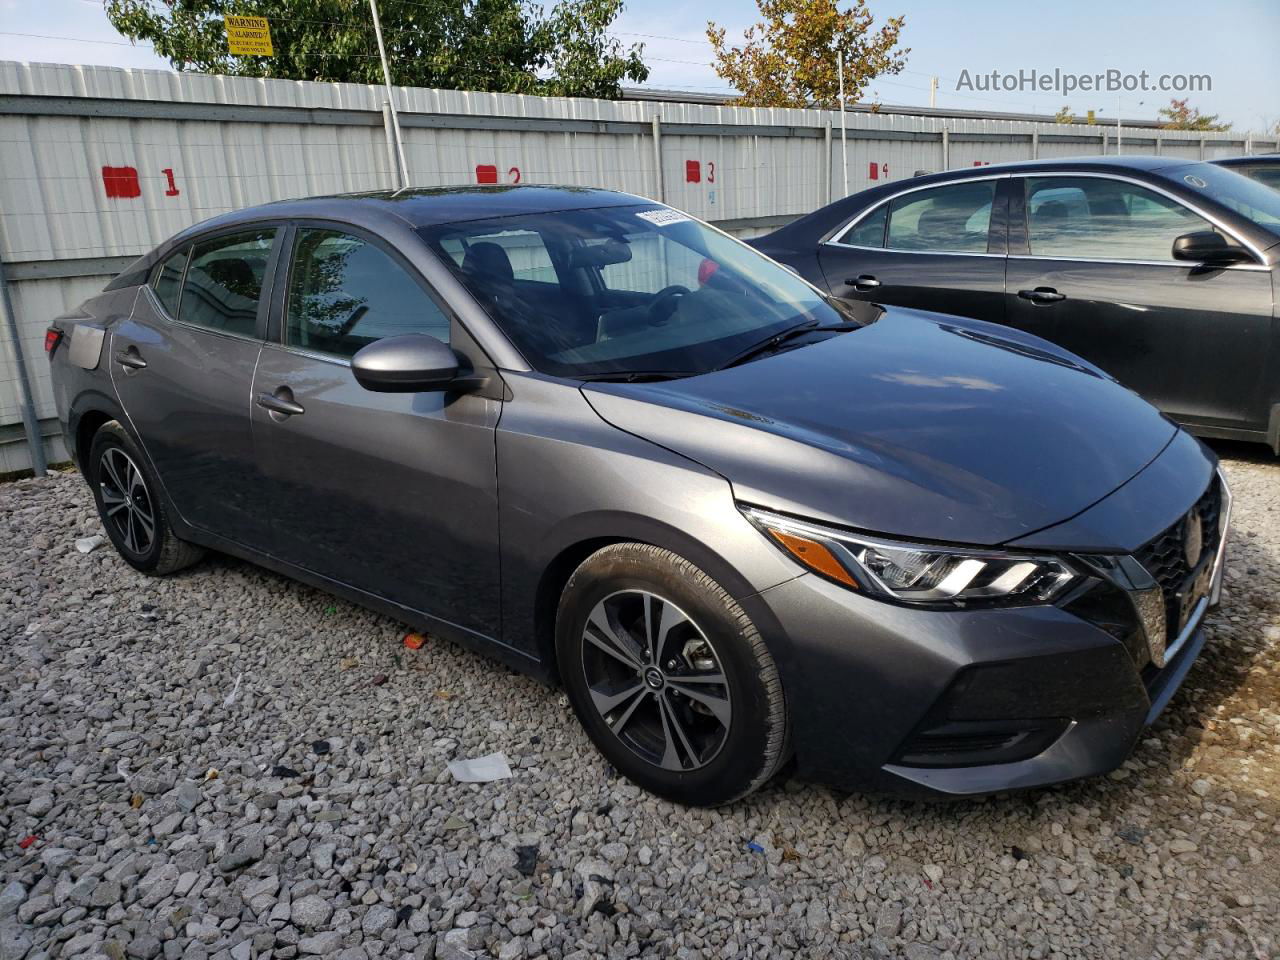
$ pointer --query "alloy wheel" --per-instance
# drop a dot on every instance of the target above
(126, 501)
(656, 680)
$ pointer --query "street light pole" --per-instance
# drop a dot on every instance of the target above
(386, 77)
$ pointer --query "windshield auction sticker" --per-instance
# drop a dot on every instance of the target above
(663, 218)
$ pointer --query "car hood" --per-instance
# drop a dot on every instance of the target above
(919, 425)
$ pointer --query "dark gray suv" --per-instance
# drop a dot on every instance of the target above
(609, 445)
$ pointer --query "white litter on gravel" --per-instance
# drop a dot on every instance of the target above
(484, 769)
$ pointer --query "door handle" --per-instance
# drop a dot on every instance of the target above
(281, 402)
(130, 358)
(1042, 295)
(863, 282)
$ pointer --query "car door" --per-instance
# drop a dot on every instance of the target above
(182, 366)
(935, 248)
(392, 493)
(1091, 268)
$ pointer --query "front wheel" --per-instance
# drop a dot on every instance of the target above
(127, 495)
(669, 676)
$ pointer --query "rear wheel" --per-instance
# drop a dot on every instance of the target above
(669, 676)
(130, 507)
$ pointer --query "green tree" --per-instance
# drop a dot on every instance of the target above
(509, 46)
(1180, 115)
(789, 60)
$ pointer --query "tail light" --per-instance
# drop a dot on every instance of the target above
(52, 337)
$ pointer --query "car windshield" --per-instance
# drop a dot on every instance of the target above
(637, 290)
(1233, 190)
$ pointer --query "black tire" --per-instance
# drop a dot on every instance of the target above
(117, 472)
(629, 586)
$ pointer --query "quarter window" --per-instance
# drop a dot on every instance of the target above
(1092, 218)
(167, 281)
(345, 293)
(224, 282)
(951, 219)
(870, 231)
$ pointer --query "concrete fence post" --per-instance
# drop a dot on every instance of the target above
(659, 189)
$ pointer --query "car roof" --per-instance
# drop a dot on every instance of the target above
(1249, 160)
(431, 206)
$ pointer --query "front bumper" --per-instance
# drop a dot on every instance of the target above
(966, 702)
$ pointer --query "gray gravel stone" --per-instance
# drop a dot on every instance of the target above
(310, 912)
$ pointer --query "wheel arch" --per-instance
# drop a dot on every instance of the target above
(581, 539)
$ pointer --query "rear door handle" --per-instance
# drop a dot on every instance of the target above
(281, 402)
(863, 282)
(130, 358)
(1042, 295)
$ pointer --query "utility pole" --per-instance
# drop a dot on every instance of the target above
(391, 100)
(1119, 135)
(844, 139)
(933, 92)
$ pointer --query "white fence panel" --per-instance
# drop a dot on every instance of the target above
(99, 164)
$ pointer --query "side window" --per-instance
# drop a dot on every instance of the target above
(870, 230)
(951, 219)
(166, 280)
(224, 282)
(345, 293)
(523, 249)
(1092, 218)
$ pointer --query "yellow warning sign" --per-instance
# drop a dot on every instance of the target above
(249, 36)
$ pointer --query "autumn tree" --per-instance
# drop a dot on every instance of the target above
(1180, 115)
(789, 60)
(1064, 116)
(509, 46)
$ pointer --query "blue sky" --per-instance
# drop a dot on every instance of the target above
(1233, 41)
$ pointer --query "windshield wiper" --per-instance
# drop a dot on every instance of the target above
(635, 376)
(775, 341)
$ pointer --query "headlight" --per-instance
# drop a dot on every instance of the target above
(914, 572)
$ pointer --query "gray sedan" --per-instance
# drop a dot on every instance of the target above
(607, 444)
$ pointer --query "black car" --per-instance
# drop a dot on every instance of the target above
(1265, 168)
(1161, 272)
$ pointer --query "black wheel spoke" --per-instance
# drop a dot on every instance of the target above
(677, 739)
(606, 703)
(605, 635)
(660, 619)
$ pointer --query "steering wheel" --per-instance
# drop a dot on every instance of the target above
(663, 303)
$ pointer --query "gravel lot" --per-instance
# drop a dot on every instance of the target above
(332, 826)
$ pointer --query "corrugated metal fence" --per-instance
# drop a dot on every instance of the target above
(98, 164)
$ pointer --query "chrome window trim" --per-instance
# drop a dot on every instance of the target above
(1198, 211)
(925, 253)
(835, 240)
(333, 358)
(1184, 264)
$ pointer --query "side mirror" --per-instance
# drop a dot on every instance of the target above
(1208, 246)
(407, 364)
